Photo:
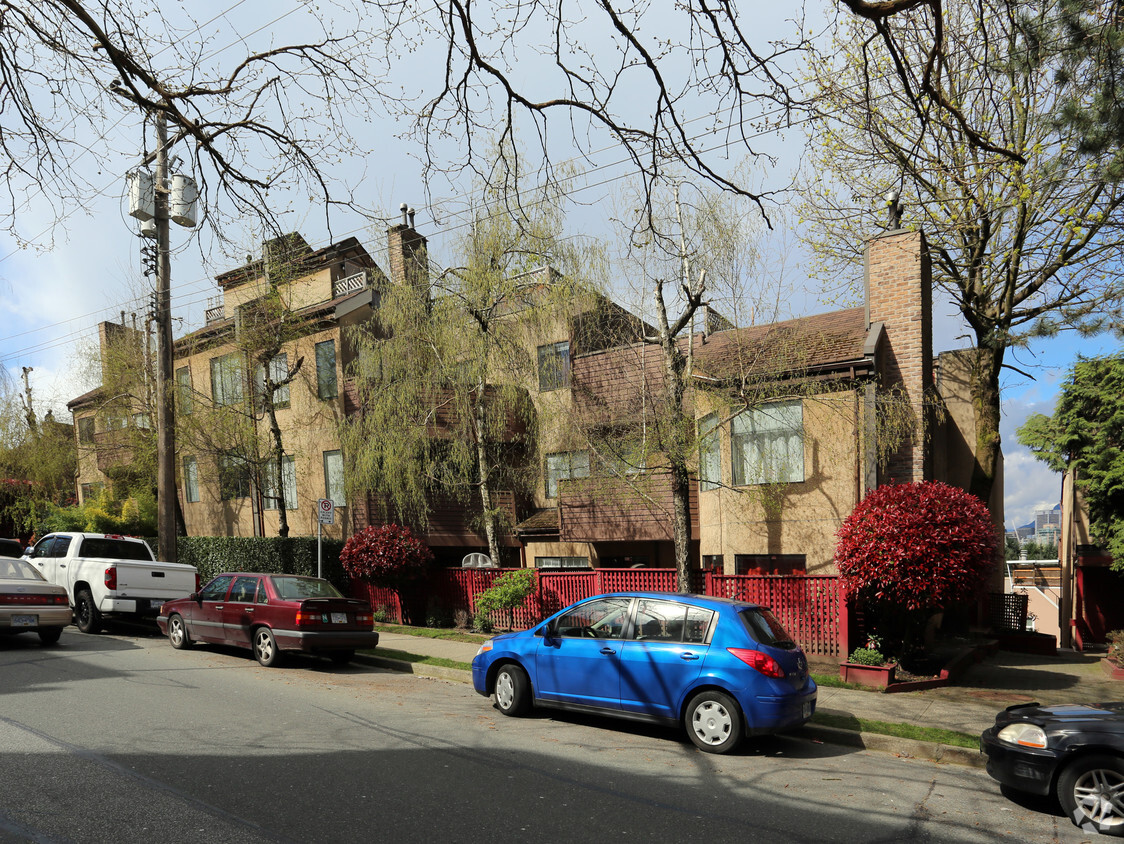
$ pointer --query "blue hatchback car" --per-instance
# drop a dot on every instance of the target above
(723, 669)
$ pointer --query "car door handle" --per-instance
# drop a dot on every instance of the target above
(218, 606)
(249, 609)
(688, 655)
(608, 651)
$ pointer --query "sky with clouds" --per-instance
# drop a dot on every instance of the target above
(86, 269)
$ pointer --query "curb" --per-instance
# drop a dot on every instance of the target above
(901, 747)
(436, 672)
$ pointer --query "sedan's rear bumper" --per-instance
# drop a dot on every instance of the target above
(45, 617)
(326, 640)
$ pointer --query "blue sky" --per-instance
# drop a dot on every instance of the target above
(55, 289)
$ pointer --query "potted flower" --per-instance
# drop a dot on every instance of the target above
(868, 667)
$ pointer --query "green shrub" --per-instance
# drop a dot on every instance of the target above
(285, 555)
(1115, 640)
(866, 656)
(507, 593)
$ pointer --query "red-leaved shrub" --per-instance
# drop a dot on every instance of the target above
(917, 546)
(389, 556)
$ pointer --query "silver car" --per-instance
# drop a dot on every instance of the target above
(29, 604)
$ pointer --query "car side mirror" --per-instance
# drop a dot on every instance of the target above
(550, 630)
(195, 596)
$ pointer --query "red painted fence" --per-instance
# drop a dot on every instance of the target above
(813, 609)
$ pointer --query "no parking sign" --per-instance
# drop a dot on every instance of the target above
(327, 510)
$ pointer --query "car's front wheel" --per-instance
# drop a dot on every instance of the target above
(714, 722)
(177, 632)
(1091, 791)
(87, 616)
(265, 647)
(513, 690)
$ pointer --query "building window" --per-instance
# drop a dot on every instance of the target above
(234, 477)
(333, 478)
(710, 456)
(562, 563)
(326, 387)
(226, 380)
(190, 480)
(767, 444)
(770, 564)
(713, 562)
(288, 480)
(115, 421)
(142, 421)
(278, 371)
(86, 430)
(183, 391)
(90, 491)
(554, 366)
(563, 466)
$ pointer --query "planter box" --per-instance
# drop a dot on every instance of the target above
(1113, 670)
(876, 676)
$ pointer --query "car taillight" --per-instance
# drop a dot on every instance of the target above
(111, 577)
(365, 619)
(306, 617)
(759, 662)
(21, 598)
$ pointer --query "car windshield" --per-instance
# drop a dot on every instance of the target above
(297, 588)
(115, 549)
(18, 570)
(765, 629)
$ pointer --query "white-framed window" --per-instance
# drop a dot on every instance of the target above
(710, 453)
(767, 444)
(234, 477)
(183, 391)
(288, 480)
(86, 430)
(554, 366)
(190, 480)
(333, 478)
(562, 563)
(226, 379)
(327, 386)
(565, 465)
(278, 371)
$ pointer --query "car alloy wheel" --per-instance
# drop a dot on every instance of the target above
(1092, 791)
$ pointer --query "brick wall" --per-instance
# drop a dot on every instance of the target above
(899, 295)
(407, 255)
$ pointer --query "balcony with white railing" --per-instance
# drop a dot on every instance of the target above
(215, 313)
(349, 284)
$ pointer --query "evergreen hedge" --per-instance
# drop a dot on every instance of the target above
(212, 555)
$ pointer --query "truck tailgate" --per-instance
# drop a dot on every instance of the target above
(162, 581)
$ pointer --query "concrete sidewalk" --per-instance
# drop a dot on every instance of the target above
(1000, 680)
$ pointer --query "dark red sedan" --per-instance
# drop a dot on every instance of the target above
(271, 613)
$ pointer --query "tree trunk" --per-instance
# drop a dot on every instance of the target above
(674, 374)
(985, 405)
(278, 461)
(483, 468)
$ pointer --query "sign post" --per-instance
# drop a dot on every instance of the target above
(326, 512)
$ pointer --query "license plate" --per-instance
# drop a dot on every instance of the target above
(25, 621)
(806, 709)
(156, 603)
(339, 618)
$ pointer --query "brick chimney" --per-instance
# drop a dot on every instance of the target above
(899, 295)
(407, 255)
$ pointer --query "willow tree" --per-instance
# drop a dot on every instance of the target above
(1025, 244)
(443, 371)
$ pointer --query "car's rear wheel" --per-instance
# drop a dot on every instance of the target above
(265, 647)
(341, 657)
(1091, 791)
(513, 690)
(49, 635)
(87, 616)
(713, 722)
(177, 632)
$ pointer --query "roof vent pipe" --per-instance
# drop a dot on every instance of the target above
(411, 213)
(403, 208)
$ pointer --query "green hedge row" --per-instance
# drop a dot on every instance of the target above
(285, 555)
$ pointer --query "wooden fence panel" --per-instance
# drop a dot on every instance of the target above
(813, 609)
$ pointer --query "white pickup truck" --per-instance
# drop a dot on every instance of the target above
(110, 575)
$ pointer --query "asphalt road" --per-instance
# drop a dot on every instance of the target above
(120, 738)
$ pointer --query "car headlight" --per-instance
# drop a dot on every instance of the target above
(1027, 735)
(484, 648)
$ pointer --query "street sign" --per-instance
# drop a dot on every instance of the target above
(327, 511)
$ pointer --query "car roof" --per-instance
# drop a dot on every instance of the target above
(687, 597)
(264, 574)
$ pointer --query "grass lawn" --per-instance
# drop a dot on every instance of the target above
(908, 731)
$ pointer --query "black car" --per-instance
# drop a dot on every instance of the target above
(1074, 751)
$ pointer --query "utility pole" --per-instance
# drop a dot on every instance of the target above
(165, 410)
